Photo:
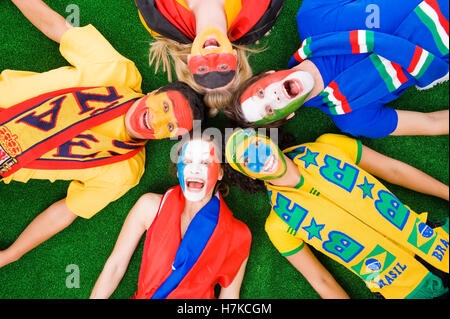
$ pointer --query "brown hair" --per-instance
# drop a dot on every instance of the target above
(165, 53)
(234, 110)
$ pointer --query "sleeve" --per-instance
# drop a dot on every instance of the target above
(284, 241)
(373, 122)
(89, 52)
(350, 146)
(238, 252)
(94, 63)
(88, 197)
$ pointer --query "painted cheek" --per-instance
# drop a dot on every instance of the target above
(200, 64)
(213, 175)
(257, 157)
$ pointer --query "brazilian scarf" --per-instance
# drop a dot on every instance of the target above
(417, 51)
(360, 224)
(172, 19)
(39, 133)
(190, 267)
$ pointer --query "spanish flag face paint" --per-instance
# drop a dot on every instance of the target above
(255, 155)
(158, 116)
(212, 61)
(276, 96)
(198, 169)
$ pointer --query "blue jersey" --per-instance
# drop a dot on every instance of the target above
(317, 17)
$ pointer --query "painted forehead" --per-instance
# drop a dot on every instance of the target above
(198, 150)
(264, 82)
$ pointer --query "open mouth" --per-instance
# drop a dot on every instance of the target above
(292, 88)
(271, 164)
(146, 122)
(194, 184)
(211, 44)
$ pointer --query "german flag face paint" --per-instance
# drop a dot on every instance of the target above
(198, 169)
(276, 96)
(255, 155)
(212, 61)
(158, 116)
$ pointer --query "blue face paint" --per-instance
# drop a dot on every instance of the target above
(257, 156)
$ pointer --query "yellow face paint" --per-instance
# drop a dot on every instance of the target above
(211, 40)
(158, 116)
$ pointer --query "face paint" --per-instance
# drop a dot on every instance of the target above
(255, 155)
(160, 115)
(198, 169)
(276, 96)
(212, 54)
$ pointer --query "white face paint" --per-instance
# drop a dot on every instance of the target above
(267, 97)
(198, 169)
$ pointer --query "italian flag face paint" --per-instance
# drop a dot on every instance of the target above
(430, 14)
(276, 96)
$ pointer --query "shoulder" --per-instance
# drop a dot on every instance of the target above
(127, 172)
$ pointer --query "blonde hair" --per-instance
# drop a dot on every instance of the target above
(165, 53)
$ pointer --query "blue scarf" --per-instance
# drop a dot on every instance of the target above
(191, 247)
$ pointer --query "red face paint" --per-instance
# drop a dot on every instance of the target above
(220, 62)
(263, 83)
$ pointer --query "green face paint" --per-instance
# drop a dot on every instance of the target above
(276, 96)
(283, 112)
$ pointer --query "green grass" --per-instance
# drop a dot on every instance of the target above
(88, 243)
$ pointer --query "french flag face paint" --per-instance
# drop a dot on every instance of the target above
(255, 155)
(198, 169)
(276, 96)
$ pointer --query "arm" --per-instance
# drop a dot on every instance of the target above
(44, 18)
(137, 222)
(418, 123)
(316, 274)
(402, 174)
(232, 291)
(50, 222)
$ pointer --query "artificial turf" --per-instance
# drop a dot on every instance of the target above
(87, 243)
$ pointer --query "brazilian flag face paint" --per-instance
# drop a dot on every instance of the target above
(255, 155)
(276, 96)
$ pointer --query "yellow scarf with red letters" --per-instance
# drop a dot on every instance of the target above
(39, 133)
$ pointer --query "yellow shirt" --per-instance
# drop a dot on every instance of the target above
(94, 63)
(285, 240)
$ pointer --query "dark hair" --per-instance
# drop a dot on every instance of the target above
(234, 111)
(194, 99)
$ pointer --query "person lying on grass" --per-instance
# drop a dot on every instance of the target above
(351, 71)
(87, 123)
(193, 242)
(324, 194)
(207, 41)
